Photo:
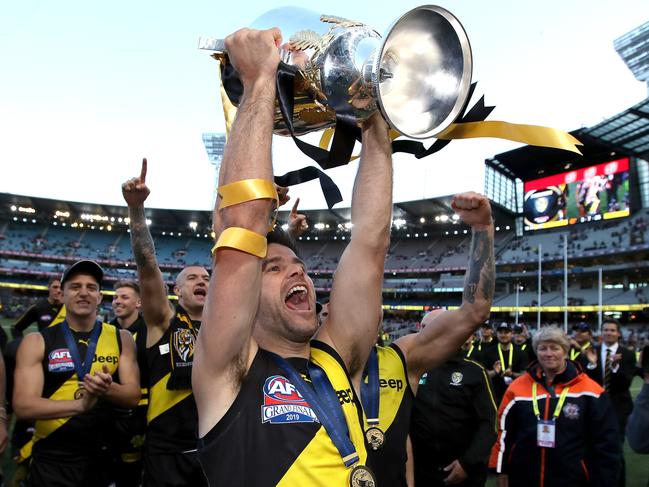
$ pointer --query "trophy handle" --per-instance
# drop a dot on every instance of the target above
(212, 44)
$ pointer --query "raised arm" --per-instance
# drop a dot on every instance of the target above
(156, 308)
(225, 348)
(356, 294)
(444, 333)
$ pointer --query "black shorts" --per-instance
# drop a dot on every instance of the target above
(173, 470)
(50, 472)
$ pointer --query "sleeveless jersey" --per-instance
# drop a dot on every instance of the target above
(395, 404)
(172, 418)
(271, 436)
(79, 436)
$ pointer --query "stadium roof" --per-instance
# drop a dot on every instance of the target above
(625, 134)
(43, 210)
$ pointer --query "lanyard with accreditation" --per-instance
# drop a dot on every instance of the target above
(507, 379)
(545, 429)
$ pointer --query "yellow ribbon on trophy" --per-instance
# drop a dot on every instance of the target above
(526, 134)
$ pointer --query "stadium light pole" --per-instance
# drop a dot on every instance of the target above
(599, 300)
(517, 290)
(538, 301)
(565, 282)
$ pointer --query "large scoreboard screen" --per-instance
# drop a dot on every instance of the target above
(592, 193)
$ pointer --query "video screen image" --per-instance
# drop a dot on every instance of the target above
(594, 193)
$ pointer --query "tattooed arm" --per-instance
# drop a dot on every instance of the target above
(445, 331)
(156, 308)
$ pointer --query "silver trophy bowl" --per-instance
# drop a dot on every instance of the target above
(418, 75)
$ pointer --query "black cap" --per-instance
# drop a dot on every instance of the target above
(504, 326)
(581, 327)
(486, 324)
(517, 329)
(83, 267)
(318, 307)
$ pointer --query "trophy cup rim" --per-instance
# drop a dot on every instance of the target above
(465, 83)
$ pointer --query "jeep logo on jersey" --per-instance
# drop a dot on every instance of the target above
(60, 360)
(184, 343)
(106, 359)
(284, 404)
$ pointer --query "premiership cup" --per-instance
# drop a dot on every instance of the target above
(418, 75)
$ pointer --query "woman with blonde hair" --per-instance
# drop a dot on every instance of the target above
(556, 426)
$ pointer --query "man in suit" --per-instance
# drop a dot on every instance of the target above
(613, 366)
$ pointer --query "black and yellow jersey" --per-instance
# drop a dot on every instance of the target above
(78, 436)
(395, 403)
(43, 313)
(172, 417)
(129, 424)
(271, 436)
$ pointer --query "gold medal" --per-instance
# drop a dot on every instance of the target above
(361, 476)
(79, 393)
(375, 437)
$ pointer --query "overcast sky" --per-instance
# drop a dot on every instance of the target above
(89, 88)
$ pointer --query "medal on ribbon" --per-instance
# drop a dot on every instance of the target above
(81, 367)
(324, 401)
(370, 397)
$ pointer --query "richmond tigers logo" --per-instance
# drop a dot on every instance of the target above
(184, 343)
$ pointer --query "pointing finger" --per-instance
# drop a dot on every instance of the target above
(143, 172)
(294, 209)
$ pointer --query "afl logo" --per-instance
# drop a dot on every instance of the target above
(284, 404)
(280, 389)
(60, 360)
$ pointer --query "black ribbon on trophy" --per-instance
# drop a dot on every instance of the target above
(335, 73)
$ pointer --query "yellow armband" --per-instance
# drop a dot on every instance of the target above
(248, 190)
(244, 240)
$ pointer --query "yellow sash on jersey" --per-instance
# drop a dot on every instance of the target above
(320, 464)
(107, 345)
(59, 317)
(162, 399)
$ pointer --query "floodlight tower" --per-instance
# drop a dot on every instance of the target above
(632, 48)
(214, 145)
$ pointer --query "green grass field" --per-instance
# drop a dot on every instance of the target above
(637, 466)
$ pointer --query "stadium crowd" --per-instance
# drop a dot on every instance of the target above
(248, 380)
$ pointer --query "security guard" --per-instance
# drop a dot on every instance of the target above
(453, 425)
(504, 362)
(67, 373)
(522, 338)
(582, 340)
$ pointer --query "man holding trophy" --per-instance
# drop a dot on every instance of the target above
(255, 352)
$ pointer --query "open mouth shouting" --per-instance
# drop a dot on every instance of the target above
(297, 298)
